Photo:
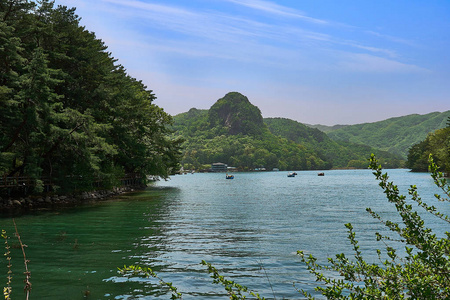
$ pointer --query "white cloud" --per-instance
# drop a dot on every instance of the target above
(314, 73)
(357, 62)
(211, 25)
(276, 9)
(387, 52)
(163, 9)
(215, 25)
(392, 38)
(218, 35)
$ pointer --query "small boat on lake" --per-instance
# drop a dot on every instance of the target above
(291, 174)
(229, 176)
(321, 174)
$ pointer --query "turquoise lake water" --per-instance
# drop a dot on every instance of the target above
(249, 228)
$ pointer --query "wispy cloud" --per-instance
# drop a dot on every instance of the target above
(216, 27)
(201, 24)
(164, 9)
(276, 9)
(198, 50)
(371, 49)
(373, 64)
(214, 34)
(392, 38)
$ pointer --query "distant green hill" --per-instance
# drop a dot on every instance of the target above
(233, 131)
(325, 128)
(340, 154)
(395, 135)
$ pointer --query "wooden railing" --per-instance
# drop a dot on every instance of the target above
(16, 181)
(25, 181)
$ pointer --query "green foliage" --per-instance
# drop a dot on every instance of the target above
(235, 291)
(325, 128)
(146, 273)
(423, 271)
(395, 135)
(70, 114)
(436, 143)
(7, 289)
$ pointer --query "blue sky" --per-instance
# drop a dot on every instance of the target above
(315, 61)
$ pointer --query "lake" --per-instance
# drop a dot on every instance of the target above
(249, 228)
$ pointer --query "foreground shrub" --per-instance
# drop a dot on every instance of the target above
(423, 272)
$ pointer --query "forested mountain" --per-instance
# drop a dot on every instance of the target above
(395, 135)
(236, 115)
(227, 133)
(69, 113)
(340, 154)
(233, 131)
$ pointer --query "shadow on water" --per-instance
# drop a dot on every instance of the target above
(74, 249)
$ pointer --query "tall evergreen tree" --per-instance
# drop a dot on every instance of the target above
(71, 113)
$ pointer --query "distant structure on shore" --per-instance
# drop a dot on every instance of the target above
(219, 167)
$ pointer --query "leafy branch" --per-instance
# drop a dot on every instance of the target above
(7, 290)
(147, 273)
(27, 273)
(424, 271)
(234, 290)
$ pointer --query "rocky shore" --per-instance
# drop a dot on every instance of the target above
(9, 204)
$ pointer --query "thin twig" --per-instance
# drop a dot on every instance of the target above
(27, 273)
(7, 290)
(267, 276)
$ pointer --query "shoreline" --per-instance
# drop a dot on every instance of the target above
(54, 201)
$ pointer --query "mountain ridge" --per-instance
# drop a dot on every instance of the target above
(233, 131)
(395, 135)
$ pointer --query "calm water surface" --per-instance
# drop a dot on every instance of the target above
(249, 228)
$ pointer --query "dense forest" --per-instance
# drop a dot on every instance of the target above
(70, 114)
(436, 143)
(233, 131)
